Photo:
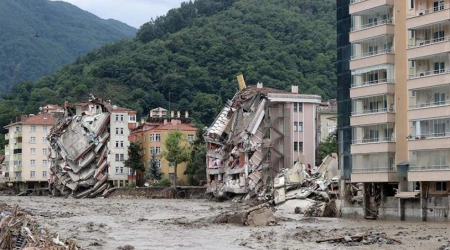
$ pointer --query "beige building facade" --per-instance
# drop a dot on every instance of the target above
(26, 154)
(400, 119)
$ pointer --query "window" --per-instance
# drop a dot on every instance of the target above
(121, 131)
(44, 163)
(44, 151)
(132, 118)
(439, 67)
(441, 186)
(44, 139)
(155, 150)
(117, 170)
(32, 140)
(171, 176)
(298, 107)
(438, 36)
(44, 129)
(117, 131)
(119, 144)
(117, 118)
(190, 138)
(121, 170)
(155, 137)
(32, 163)
(438, 5)
(33, 151)
(44, 174)
(121, 118)
(373, 49)
(298, 146)
(33, 128)
(120, 157)
(298, 126)
(439, 98)
(32, 174)
(17, 129)
(411, 4)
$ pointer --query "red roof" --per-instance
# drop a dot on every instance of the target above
(2, 158)
(41, 119)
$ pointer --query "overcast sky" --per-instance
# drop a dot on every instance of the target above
(132, 12)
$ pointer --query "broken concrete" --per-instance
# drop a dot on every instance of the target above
(79, 151)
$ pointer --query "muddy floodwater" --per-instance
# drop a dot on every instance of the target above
(185, 224)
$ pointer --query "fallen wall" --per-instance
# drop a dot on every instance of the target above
(160, 193)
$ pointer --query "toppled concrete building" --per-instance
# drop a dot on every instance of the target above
(79, 150)
(258, 133)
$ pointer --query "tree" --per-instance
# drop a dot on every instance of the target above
(177, 150)
(154, 171)
(328, 146)
(134, 160)
(196, 168)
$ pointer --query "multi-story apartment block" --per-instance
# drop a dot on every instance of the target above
(328, 118)
(122, 121)
(153, 133)
(27, 164)
(258, 133)
(400, 116)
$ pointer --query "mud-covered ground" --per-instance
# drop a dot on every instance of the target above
(186, 224)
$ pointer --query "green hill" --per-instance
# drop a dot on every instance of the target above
(192, 55)
(65, 32)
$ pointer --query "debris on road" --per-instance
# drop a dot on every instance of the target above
(363, 239)
(79, 151)
(19, 231)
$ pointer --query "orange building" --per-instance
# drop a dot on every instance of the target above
(152, 135)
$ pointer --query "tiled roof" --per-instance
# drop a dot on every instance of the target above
(41, 119)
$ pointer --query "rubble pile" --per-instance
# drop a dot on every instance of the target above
(445, 246)
(369, 238)
(318, 186)
(260, 215)
(79, 151)
(19, 231)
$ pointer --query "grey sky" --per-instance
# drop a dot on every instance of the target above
(132, 12)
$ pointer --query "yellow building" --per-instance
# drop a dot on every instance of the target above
(152, 135)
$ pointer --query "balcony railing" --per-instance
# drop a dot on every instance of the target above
(373, 170)
(419, 43)
(429, 73)
(369, 83)
(357, 1)
(430, 104)
(429, 168)
(371, 53)
(429, 136)
(373, 111)
(429, 11)
(374, 140)
(371, 25)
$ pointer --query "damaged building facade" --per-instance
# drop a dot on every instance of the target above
(79, 150)
(258, 133)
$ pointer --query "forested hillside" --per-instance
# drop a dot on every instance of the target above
(192, 55)
(64, 32)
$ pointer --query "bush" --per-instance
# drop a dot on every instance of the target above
(131, 184)
(163, 183)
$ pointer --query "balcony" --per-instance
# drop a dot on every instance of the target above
(426, 48)
(373, 138)
(428, 16)
(374, 147)
(370, 59)
(426, 165)
(17, 134)
(427, 79)
(372, 110)
(17, 157)
(382, 28)
(428, 143)
(434, 100)
(16, 145)
(376, 87)
(372, 118)
(362, 5)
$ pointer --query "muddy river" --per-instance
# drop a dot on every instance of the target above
(185, 224)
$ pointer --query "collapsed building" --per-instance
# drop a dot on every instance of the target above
(257, 134)
(79, 150)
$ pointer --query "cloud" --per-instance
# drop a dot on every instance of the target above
(131, 12)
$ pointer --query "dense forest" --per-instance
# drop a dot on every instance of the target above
(192, 55)
(39, 36)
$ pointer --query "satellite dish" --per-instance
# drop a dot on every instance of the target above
(114, 107)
